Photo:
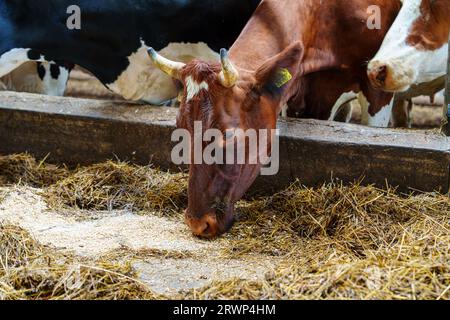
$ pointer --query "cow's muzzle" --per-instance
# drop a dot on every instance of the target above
(384, 77)
(210, 225)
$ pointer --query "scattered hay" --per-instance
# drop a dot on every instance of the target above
(126, 253)
(336, 242)
(117, 186)
(327, 273)
(357, 218)
(24, 169)
(29, 270)
(343, 242)
(2, 195)
(106, 186)
(340, 278)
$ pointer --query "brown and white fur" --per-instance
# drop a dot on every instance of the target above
(414, 51)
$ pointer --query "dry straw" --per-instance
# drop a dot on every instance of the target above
(24, 169)
(334, 241)
(117, 185)
(30, 271)
(343, 242)
(106, 186)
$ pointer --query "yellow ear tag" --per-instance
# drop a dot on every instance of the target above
(283, 77)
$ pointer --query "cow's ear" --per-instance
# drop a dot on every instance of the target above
(275, 75)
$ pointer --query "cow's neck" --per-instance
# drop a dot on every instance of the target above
(265, 35)
(274, 26)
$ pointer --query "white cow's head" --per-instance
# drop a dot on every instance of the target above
(416, 47)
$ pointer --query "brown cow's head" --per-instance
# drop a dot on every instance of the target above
(415, 48)
(219, 97)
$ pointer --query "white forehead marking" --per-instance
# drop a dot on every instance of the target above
(193, 88)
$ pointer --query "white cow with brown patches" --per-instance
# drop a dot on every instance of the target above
(415, 49)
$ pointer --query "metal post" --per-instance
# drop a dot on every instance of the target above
(446, 127)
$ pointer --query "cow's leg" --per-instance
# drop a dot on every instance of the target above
(342, 109)
(376, 107)
(14, 58)
(409, 112)
(284, 110)
(364, 109)
(345, 113)
(401, 113)
(54, 78)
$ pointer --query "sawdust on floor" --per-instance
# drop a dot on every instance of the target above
(91, 235)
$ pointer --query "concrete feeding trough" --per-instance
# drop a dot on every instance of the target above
(80, 131)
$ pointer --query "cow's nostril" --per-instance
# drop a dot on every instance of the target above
(382, 73)
(200, 229)
(206, 229)
(209, 226)
(378, 73)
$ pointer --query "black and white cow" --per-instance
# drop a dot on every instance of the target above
(46, 78)
(112, 40)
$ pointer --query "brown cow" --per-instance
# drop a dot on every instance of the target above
(306, 53)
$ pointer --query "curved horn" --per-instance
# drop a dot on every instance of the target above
(172, 68)
(229, 75)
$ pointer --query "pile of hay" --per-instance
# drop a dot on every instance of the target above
(335, 241)
(360, 218)
(118, 185)
(24, 169)
(29, 270)
(106, 186)
(343, 242)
